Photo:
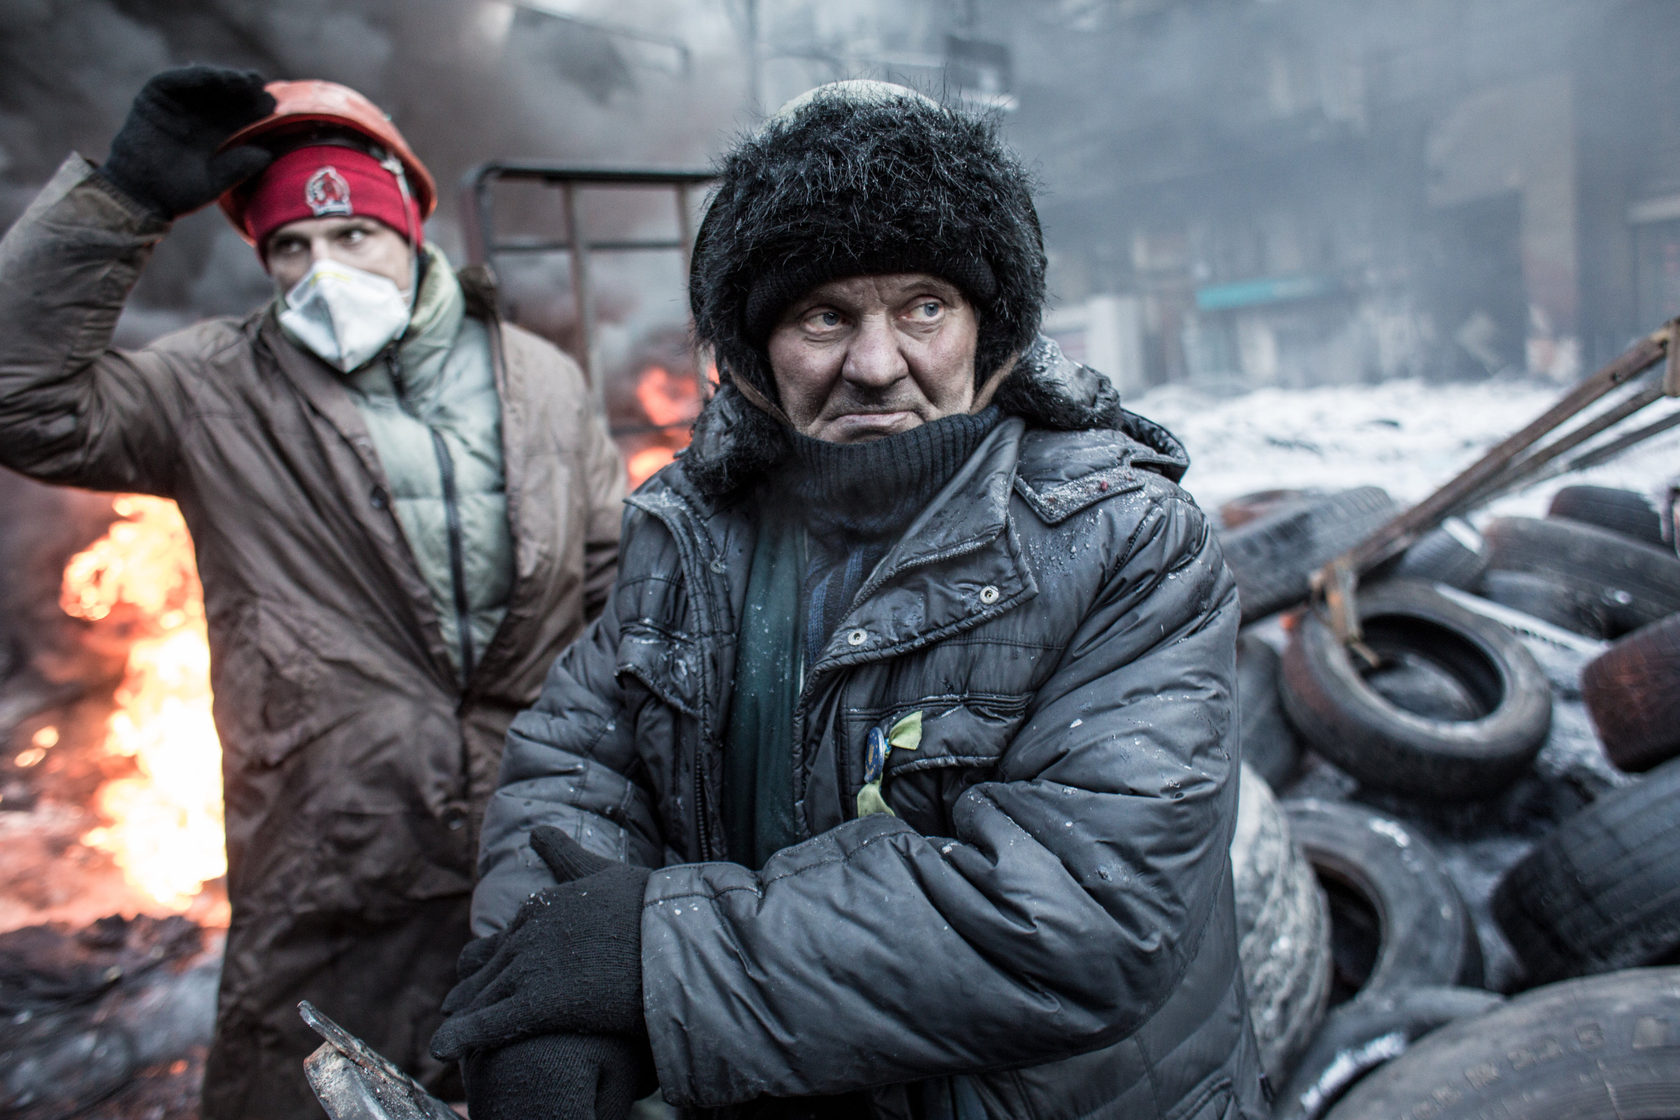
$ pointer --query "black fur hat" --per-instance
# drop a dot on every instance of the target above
(864, 177)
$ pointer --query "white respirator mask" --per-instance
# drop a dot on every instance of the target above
(343, 315)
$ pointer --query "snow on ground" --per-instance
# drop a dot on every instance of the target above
(1408, 437)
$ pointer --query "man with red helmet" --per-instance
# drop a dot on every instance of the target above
(402, 508)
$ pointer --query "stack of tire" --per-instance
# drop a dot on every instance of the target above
(1481, 934)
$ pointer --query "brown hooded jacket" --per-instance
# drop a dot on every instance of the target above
(355, 765)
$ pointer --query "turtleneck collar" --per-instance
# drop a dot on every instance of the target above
(873, 489)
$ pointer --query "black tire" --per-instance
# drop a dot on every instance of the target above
(1268, 741)
(1274, 555)
(1360, 1036)
(1632, 693)
(1607, 1048)
(1457, 709)
(1636, 583)
(1542, 597)
(1627, 512)
(1373, 865)
(1453, 554)
(1283, 926)
(1602, 890)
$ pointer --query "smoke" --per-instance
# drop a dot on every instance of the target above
(1436, 165)
(466, 81)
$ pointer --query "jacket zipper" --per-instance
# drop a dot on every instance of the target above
(498, 364)
(693, 568)
(452, 518)
(457, 559)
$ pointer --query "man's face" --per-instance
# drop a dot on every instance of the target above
(869, 356)
(363, 243)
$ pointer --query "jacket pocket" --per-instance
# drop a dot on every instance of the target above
(1211, 1100)
(269, 684)
(668, 665)
(962, 739)
(971, 730)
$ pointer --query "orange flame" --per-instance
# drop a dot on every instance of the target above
(667, 398)
(670, 400)
(164, 825)
(642, 464)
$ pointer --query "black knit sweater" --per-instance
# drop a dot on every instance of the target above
(856, 499)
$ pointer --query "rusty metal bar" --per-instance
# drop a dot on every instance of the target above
(579, 173)
(583, 295)
(483, 246)
(1502, 466)
(476, 185)
(525, 246)
(476, 223)
(1524, 469)
(685, 226)
(1410, 523)
(1596, 455)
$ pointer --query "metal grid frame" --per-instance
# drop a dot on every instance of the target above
(484, 246)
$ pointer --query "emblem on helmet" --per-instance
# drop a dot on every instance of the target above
(327, 193)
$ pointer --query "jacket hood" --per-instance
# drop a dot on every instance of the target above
(734, 443)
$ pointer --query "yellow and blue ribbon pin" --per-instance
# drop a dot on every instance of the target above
(905, 735)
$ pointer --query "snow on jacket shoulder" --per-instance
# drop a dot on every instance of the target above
(1048, 914)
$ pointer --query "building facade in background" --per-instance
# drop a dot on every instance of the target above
(1288, 192)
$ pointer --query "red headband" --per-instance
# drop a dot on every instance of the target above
(327, 182)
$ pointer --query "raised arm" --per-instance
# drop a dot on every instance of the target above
(72, 409)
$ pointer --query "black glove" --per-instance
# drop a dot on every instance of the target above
(165, 155)
(559, 1077)
(566, 861)
(569, 962)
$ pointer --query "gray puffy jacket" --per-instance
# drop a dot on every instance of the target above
(1044, 929)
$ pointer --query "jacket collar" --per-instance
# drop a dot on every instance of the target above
(970, 510)
(967, 521)
(323, 387)
(1057, 475)
(956, 565)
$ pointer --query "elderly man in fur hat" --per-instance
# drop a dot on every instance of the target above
(899, 776)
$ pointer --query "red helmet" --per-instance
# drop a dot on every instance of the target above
(302, 108)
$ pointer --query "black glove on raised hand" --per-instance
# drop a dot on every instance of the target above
(165, 155)
(569, 962)
(559, 1077)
